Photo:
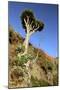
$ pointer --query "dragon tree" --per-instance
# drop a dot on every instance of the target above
(30, 25)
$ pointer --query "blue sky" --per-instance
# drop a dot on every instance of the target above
(47, 39)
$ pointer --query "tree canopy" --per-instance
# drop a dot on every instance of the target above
(31, 25)
(28, 19)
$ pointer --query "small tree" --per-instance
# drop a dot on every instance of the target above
(31, 25)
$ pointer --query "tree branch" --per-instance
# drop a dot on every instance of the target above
(25, 21)
(27, 25)
(31, 23)
(36, 28)
(32, 32)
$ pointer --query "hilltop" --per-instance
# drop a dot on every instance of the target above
(42, 70)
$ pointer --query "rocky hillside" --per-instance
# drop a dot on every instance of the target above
(42, 69)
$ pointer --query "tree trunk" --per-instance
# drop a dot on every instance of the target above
(26, 42)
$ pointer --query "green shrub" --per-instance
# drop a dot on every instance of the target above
(55, 80)
(37, 83)
(23, 59)
(48, 65)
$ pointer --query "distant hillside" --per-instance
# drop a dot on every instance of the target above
(42, 71)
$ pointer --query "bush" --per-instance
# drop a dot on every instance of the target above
(23, 59)
(47, 65)
(37, 83)
(55, 80)
(17, 72)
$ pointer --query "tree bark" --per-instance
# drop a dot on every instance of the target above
(26, 42)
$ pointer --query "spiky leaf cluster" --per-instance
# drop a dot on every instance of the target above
(25, 14)
(31, 20)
